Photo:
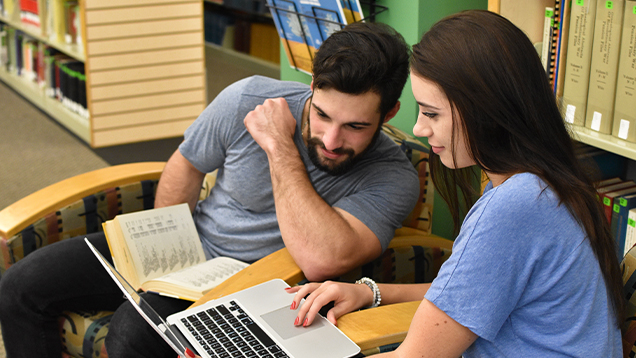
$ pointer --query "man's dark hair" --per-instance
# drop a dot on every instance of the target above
(364, 57)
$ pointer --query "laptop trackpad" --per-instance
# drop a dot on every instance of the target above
(282, 321)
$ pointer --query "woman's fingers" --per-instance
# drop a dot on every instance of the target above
(346, 298)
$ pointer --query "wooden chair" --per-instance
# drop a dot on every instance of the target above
(78, 206)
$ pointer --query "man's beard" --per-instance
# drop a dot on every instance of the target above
(336, 169)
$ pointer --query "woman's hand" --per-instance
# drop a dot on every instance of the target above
(347, 297)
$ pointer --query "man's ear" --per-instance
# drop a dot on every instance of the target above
(311, 85)
(392, 112)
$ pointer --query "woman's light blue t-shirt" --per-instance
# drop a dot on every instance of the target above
(523, 277)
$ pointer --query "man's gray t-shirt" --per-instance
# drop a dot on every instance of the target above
(238, 219)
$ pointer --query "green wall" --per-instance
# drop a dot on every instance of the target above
(411, 18)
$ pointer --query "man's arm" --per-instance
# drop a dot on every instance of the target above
(180, 182)
(324, 241)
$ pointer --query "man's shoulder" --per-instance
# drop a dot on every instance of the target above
(262, 86)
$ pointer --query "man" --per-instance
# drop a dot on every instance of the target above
(299, 166)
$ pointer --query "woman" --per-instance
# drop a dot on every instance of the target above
(533, 270)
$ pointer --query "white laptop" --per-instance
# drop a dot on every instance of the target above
(255, 322)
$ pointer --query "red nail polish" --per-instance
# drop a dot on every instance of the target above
(293, 305)
(306, 321)
(296, 321)
(189, 353)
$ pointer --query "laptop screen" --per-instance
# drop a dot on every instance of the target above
(146, 311)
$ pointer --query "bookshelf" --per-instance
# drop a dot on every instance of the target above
(528, 15)
(144, 65)
(228, 60)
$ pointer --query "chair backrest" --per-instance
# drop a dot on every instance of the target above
(421, 217)
(81, 217)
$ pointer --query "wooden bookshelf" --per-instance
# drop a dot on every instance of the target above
(145, 70)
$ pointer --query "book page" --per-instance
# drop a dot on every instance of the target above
(161, 240)
(205, 276)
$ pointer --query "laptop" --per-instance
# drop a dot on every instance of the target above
(255, 322)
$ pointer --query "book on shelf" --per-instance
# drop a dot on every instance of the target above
(29, 12)
(577, 66)
(562, 48)
(303, 26)
(352, 10)
(620, 213)
(630, 233)
(548, 22)
(9, 8)
(609, 181)
(72, 32)
(264, 42)
(624, 123)
(159, 250)
(215, 26)
(4, 47)
(609, 197)
(602, 190)
(604, 66)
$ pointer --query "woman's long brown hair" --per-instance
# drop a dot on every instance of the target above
(493, 78)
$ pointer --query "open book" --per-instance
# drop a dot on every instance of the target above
(159, 250)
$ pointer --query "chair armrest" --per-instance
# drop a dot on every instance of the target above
(379, 326)
(279, 264)
(24, 212)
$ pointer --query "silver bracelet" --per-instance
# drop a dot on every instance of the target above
(377, 298)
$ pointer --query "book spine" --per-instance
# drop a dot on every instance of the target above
(630, 236)
(623, 206)
(562, 45)
(577, 72)
(624, 126)
(604, 65)
(548, 21)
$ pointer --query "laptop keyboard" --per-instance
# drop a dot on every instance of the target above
(227, 331)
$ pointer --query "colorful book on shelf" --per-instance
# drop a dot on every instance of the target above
(620, 213)
(624, 123)
(9, 8)
(630, 233)
(548, 21)
(352, 11)
(159, 250)
(302, 27)
(604, 66)
(29, 13)
(554, 39)
(602, 191)
(608, 199)
(577, 66)
(562, 48)
(4, 46)
(11, 48)
(71, 20)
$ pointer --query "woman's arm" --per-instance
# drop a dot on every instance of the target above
(433, 333)
(348, 297)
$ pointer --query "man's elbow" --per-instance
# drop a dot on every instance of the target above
(326, 269)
